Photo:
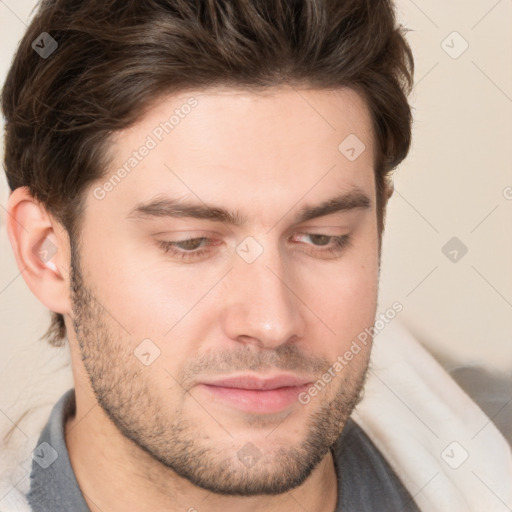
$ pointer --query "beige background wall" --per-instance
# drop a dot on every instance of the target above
(457, 182)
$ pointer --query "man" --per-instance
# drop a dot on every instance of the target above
(198, 195)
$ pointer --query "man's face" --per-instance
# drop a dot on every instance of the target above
(268, 296)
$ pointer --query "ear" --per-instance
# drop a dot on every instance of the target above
(390, 188)
(41, 248)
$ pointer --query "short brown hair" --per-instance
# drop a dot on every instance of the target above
(116, 57)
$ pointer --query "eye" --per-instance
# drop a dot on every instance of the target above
(333, 245)
(323, 239)
(195, 248)
(190, 247)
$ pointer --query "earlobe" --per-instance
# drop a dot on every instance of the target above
(390, 188)
(40, 248)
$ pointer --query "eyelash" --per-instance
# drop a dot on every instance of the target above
(339, 244)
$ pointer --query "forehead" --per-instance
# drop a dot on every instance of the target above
(227, 144)
(323, 111)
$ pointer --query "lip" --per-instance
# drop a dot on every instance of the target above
(251, 382)
(256, 395)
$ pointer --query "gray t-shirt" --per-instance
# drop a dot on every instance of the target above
(366, 482)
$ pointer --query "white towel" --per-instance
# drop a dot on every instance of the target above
(446, 451)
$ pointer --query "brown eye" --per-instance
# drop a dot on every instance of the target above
(334, 245)
(189, 248)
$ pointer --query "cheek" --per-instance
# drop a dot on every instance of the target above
(348, 306)
(124, 281)
(344, 293)
(357, 301)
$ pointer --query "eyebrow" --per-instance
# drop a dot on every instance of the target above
(163, 206)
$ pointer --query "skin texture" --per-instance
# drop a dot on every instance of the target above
(148, 436)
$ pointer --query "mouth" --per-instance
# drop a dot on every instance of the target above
(257, 395)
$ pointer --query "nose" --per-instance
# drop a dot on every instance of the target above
(262, 302)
